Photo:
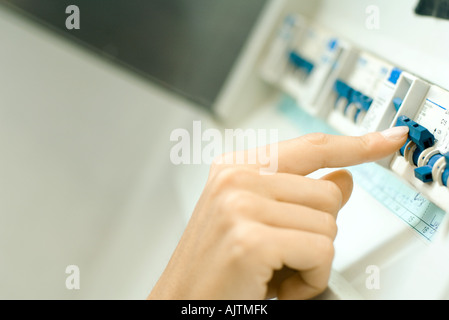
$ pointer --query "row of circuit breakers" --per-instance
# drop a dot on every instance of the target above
(356, 93)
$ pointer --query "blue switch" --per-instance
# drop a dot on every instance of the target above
(397, 102)
(403, 121)
(307, 67)
(421, 136)
(365, 102)
(425, 173)
(343, 91)
(417, 154)
(332, 44)
(418, 134)
(354, 98)
(295, 59)
(301, 63)
(394, 75)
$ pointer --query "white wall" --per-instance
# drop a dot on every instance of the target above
(86, 177)
(415, 43)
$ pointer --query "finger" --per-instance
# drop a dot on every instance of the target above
(316, 151)
(320, 194)
(343, 180)
(279, 276)
(303, 285)
(309, 153)
(309, 253)
(288, 216)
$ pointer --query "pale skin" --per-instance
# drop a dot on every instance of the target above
(254, 236)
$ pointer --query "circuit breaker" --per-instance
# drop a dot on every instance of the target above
(424, 160)
(304, 60)
(312, 62)
(276, 61)
(368, 82)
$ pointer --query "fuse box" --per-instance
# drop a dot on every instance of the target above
(423, 160)
(312, 63)
(366, 79)
(357, 92)
(304, 60)
(276, 61)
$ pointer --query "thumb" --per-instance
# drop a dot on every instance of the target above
(343, 180)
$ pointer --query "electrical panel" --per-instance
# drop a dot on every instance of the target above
(275, 63)
(303, 60)
(356, 92)
(423, 160)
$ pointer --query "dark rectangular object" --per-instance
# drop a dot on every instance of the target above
(435, 8)
(189, 46)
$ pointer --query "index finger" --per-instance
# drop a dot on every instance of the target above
(311, 152)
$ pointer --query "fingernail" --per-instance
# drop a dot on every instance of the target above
(395, 133)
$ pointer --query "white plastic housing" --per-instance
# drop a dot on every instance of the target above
(368, 75)
(430, 110)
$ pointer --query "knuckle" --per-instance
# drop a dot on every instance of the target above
(221, 160)
(218, 161)
(236, 202)
(221, 163)
(322, 284)
(316, 142)
(366, 143)
(230, 177)
(317, 139)
(330, 225)
(226, 177)
(242, 240)
(325, 249)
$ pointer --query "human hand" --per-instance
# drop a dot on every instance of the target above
(254, 236)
